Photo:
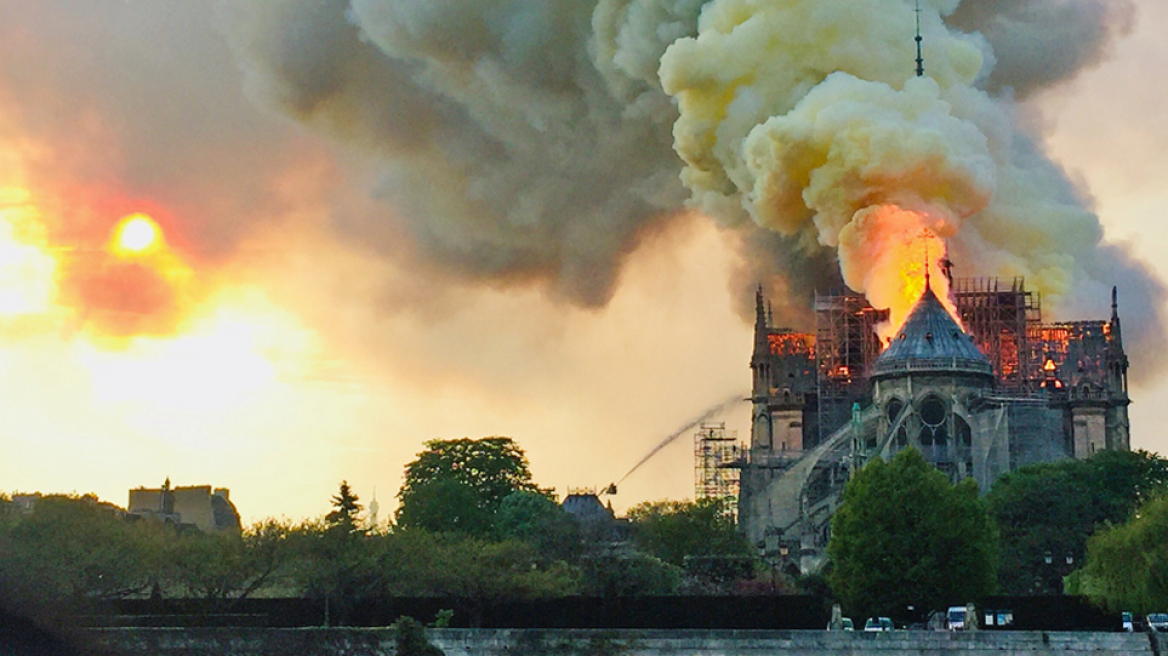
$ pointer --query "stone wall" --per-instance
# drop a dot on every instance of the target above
(597, 642)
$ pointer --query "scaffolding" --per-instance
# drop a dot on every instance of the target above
(1001, 317)
(846, 345)
(716, 464)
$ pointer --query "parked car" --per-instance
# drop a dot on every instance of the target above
(878, 624)
(955, 618)
(1127, 622)
(1158, 621)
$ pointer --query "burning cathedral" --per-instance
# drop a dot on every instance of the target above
(973, 378)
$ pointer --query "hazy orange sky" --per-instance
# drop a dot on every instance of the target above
(293, 327)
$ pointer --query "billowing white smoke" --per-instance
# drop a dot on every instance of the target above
(539, 139)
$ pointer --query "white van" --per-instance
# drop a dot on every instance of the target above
(955, 618)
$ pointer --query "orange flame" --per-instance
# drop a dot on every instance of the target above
(889, 253)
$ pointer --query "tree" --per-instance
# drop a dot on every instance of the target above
(1049, 510)
(628, 575)
(1127, 565)
(675, 530)
(458, 485)
(445, 505)
(226, 565)
(77, 548)
(343, 518)
(905, 536)
(410, 639)
(420, 563)
(333, 565)
(536, 519)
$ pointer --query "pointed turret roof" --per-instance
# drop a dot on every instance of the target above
(930, 340)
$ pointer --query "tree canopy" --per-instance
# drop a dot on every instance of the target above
(1127, 565)
(905, 536)
(675, 530)
(536, 519)
(1051, 509)
(78, 548)
(458, 485)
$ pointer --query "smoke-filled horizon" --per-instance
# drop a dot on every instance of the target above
(541, 141)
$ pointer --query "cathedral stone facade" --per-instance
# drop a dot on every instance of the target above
(999, 391)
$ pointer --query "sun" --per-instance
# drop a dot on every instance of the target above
(137, 234)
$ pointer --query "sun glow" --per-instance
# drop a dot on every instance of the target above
(225, 358)
(136, 234)
(149, 333)
(27, 269)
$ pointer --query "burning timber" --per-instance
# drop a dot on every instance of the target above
(995, 392)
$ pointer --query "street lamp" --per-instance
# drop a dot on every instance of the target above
(1055, 567)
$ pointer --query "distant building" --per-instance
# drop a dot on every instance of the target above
(598, 522)
(586, 507)
(208, 509)
(24, 503)
(373, 508)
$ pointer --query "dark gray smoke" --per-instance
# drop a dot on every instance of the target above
(538, 141)
(1037, 43)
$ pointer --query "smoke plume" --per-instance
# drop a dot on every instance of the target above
(539, 141)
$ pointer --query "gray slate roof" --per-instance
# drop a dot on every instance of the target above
(929, 341)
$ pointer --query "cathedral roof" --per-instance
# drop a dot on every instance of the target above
(930, 340)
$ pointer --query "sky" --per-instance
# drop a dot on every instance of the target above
(437, 228)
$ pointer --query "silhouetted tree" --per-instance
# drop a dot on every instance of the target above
(343, 518)
(1127, 565)
(675, 530)
(906, 536)
(1053, 508)
(536, 519)
(79, 548)
(410, 639)
(458, 485)
(228, 565)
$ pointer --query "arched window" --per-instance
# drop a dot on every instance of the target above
(934, 431)
(892, 409)
(964, 434)
(940, 435)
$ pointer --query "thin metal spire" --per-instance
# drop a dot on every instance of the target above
(927, 282)
(920, 60)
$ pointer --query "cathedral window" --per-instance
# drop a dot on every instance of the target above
(964, 434)
(892, 409)
(932, 410)
(934, 430)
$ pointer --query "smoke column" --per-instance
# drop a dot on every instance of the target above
(712, 411)
(538, 141)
